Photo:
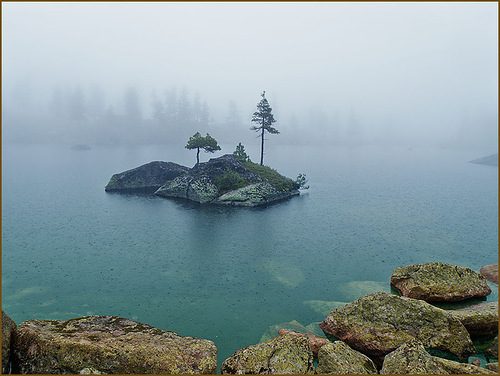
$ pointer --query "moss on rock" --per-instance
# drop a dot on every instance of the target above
(338, 358)
(480, 320)
(438, 282)
(108, 344)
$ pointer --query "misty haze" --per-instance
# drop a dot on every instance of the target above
(258, 176)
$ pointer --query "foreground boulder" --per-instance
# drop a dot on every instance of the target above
(438, 282)
(282, 355)
(8, 330)
(146, 178)
(480, 320)
(338, 358)
(456, 368)
(108, 344)
(379, 323)
(229, 181)
(411, 358)
(490, 272)
(315, 342)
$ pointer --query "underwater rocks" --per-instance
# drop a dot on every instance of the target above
(492, 350)
(379, 323)
(438, 282)
(108, 344)
(8, 330)
(284, 354)
(338, 358)
(146, 178)
(490, 272)
(480, 320)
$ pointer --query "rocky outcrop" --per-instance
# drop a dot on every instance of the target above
(228, 181)
(490, 272)
(438, 282)
(108, 344)
(338, 358)
(8, 330)
(282, 355)
(379, 323)
(456, 368)
(411, 358)
(315, 342)
(146, 178)
(480, 320)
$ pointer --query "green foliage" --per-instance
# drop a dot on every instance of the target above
(207, 143)
(264, 117)
(240, 153)
(301, 181)
(229, 181)
(278, 181)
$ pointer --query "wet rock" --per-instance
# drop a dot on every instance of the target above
(254, 195)
(315, 342)
(490, 272)
(411, 358)
(8, 330)
(455, 368)
(438, 282)
(282, 355)
(480, 320)
(378, 324)
(492, 350)
(108, 344)
(146, 178)
(338, 358)
(273, 330)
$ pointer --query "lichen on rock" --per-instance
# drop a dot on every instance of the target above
(287, 354)
(438, 282)
(480, 320)
(108, 344)
(338, 358)
(379, 323)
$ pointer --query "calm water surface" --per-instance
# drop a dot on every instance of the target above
(227, 274)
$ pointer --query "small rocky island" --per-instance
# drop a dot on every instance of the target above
(226, 180)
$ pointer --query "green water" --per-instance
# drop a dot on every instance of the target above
(227, 274)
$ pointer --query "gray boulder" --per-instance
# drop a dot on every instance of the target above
(108, 344)
(338, 358)
(146, 178)
(378, 324)
(438, 282)
(285, 354)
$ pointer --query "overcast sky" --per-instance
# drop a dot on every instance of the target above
(428, 69)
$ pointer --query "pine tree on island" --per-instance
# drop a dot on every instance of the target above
(207, 143)
(264, 120)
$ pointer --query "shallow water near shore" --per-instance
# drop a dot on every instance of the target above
(227, 274)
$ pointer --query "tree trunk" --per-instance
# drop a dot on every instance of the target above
(262, 147)
(198, 156)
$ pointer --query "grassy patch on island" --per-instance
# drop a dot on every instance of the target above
(278, 181)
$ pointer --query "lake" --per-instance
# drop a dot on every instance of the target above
(227, 274)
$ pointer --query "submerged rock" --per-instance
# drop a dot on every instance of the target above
(338, 358)
(108, 344)
(274, 330)
(379, 323)
(146, 178)
(8, 330)
(228, 181)
(490, 272)
(492, 367)
(411, 358)
(356, 289)
(480, 320)
(282, 355)
(438, 282)
(323, 307)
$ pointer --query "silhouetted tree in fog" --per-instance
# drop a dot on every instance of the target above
(264, 119)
